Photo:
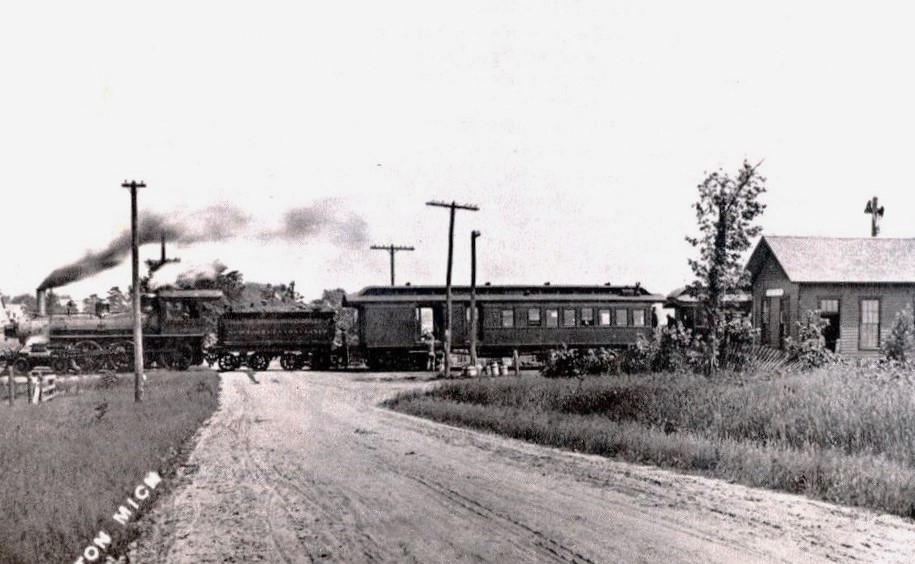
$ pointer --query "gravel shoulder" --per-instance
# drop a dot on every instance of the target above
(304, 467)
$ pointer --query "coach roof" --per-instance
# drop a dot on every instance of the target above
(378, 294)
(834, 259)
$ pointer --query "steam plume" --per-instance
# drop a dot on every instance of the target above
(219, 223)
(174, 273)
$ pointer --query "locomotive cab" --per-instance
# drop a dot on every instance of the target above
(180, 312)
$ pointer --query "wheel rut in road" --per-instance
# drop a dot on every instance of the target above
(305, 467)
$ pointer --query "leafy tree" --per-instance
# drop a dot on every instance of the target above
(59, 304)
(27, 300)
(117, 300)
(725, 212)
(90, 303)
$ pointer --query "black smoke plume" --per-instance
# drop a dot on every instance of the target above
(218, 223)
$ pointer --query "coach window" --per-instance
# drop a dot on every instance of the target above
(533, 317)
(638, 317)
(587, 316)
(508, 318)
(568, 318)
(622, 316)
(605, 317)
(552, 317)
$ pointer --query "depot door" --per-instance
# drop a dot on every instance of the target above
(774, 325)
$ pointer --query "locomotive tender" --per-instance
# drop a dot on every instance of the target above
(255, 338)
(395, 323)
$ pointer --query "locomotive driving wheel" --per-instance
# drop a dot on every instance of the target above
(120, 356)
(258, 361)
(89, 356)
(60, 364)
(181, 357)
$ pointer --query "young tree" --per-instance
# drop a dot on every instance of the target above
(725, 212)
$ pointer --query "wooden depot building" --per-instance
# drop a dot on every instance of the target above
(857, 285)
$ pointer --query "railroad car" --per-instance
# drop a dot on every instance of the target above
(297, 338)
(173, 334)
(395, 323)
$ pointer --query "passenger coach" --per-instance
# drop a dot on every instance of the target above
(395, 322)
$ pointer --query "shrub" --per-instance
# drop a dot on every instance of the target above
(677, 349)
(809, 350)
(901, 339)
(570, 363)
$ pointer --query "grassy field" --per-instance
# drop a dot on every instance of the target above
(68, 465)
(844, 434)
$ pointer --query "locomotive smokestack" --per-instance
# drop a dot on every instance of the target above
(42, 299)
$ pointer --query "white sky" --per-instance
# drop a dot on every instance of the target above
(580, 129)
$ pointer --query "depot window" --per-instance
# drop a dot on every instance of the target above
(869, 329)
(622, 316)
(587, 317)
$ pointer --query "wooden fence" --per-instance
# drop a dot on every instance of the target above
(39, 386)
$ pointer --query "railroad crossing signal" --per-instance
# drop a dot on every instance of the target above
(875, 212)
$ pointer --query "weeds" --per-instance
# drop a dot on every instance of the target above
(68, 464)
(843, 433)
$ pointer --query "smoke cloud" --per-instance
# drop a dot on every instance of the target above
(219, 223)
(174, 273)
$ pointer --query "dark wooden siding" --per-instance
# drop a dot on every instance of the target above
(389, 325)
(772, 277)
(893, 299)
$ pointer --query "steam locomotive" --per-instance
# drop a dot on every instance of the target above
(173, 335)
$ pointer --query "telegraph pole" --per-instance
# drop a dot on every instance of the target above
(391, 249)
(473, 297)
(135, 262)
(453, 206)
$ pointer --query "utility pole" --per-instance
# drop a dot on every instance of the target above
(875, 212)
(391, 249)
(473, 297)
(453, 206)
(135, 262)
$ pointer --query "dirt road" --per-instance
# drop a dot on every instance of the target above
(302, 467)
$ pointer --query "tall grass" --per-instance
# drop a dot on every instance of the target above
(68, 464)
(844, 434)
